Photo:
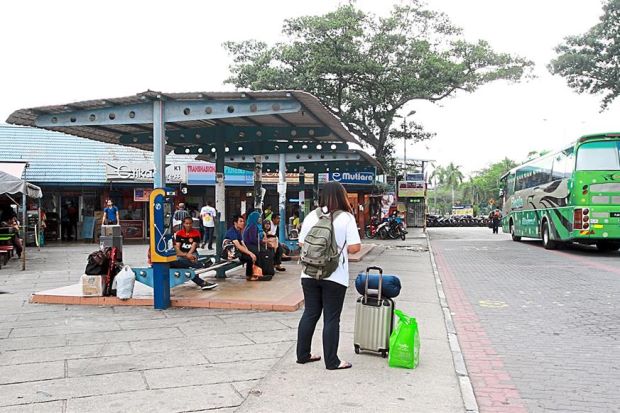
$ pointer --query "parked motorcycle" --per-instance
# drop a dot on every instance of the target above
(396, 228)
(376, 228)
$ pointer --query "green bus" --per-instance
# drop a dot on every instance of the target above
(572, 195)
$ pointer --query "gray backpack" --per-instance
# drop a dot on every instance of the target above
(319, 254)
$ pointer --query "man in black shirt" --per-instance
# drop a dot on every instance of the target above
(185, 243)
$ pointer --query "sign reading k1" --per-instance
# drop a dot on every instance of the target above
(360, 178)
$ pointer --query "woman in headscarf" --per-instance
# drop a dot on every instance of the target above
(252, 235)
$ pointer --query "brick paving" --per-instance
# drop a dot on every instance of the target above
(539, 329)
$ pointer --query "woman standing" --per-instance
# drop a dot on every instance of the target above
(326, 296)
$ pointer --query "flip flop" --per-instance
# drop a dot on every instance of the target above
(310, 360)
(343, 365)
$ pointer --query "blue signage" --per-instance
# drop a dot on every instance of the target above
(354, 178)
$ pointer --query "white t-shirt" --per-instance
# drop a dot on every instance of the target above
(208, 216)
(345, 229)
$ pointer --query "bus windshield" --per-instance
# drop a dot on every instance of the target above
(599, 156)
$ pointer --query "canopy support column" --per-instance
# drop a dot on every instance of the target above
(282, 198)
(315, 191)
(220, 200)
(258, 183)
(161, 270)
(24, 228)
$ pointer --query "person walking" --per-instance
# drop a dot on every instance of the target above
(496, 218)
(208, 214)
(326, 296)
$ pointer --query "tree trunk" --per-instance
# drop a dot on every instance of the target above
(452, 187)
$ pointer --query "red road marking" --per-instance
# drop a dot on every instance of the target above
(495, 392)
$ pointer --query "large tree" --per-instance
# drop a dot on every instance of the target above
(365, 68)
(590, 62)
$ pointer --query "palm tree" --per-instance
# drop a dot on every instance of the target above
(453, 177)
(437, 177)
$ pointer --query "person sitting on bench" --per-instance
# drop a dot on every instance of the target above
(185, 243)
(16, 240)
(271, 241)
(243, 253)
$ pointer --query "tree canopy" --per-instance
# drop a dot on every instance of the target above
(590, 62)
(365, 68)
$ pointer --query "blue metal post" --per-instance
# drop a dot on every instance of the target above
(161, 279)
(282, 199)
(302, 193)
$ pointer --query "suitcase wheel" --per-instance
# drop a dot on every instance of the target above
(357, 349)
(384, 353)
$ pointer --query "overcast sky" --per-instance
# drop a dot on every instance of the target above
(56, 52)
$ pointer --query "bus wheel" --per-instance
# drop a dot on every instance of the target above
(607, 246)
(548, 243)
(512, 233)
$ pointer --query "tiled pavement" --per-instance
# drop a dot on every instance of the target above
(64, 358)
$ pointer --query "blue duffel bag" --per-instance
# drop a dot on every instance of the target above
(390, 287)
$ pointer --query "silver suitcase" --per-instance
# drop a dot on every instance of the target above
(374, 319)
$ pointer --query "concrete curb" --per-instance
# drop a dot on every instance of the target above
(467, 391)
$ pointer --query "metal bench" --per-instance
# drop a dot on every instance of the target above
(180, 276)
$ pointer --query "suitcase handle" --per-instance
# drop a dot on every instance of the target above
(379, 299)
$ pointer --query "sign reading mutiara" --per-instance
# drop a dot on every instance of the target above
(352, 177)
(143, 172)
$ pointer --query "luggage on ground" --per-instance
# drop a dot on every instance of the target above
(265, 260)
(113, 255)
(405, 342)
(391, 284)
(374, 319)
(92, 285)
(124, 283)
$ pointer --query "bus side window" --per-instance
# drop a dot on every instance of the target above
(510, 185)
(563, 164)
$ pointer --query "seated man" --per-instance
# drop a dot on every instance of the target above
(275, 224)
(271, 241)
(243, 253)
(185, 243)
(16, 240)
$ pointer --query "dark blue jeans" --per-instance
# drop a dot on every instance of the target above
(208, 236)
(326, 297)
(183, 262)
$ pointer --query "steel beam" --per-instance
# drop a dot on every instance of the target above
(264, 148)
(299, 158)
(175, 111)
(215, 134)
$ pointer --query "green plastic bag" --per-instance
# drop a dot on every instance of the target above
(404, 342)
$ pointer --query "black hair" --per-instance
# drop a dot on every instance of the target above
(190, 218)
(236, 217)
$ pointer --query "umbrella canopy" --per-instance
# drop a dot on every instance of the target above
(10, 184)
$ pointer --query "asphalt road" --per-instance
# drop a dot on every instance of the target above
(539, 329)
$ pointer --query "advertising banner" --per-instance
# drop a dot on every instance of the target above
(142, 194)
(411, 189)
(204, 174)
(142, 172)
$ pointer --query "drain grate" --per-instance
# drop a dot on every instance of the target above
(414, 248)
